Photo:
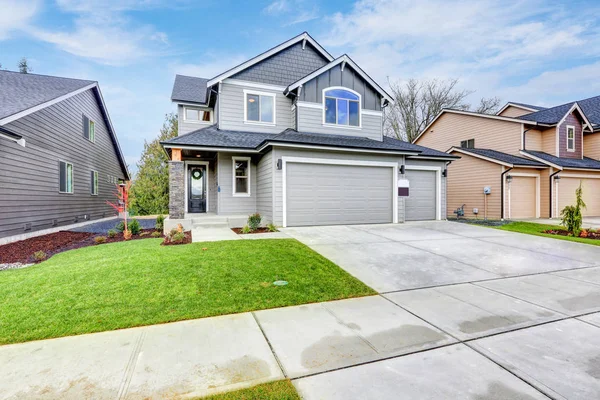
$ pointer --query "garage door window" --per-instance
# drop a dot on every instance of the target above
(241, 176)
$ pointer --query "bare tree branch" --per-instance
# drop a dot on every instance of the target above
(488, 105)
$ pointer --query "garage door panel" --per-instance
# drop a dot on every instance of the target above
(323, 194)
(523, 197)
(421, 204)
(591, 194)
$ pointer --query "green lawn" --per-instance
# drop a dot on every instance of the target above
(532, 228)
(136, 283)
(279, 390)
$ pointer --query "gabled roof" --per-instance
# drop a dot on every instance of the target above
(499, 157)
(585, 163)
(214, 138)
(303, 37)
(527, 107)
(344, 59)
(590, 109)
(189, 89)
(21, 92)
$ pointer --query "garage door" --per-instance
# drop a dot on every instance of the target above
(523, 197)
(320, 194)
(421, 202)
(591, 194)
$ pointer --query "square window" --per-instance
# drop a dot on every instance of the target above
(260, 107)
(191, 114)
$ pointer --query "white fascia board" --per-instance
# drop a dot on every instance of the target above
(573, 108)
(208, 148)
(468, 153)
(269, 53)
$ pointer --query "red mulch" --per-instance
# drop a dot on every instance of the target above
(54, 243)
(188, 240)
(582, 234)
(259, 230)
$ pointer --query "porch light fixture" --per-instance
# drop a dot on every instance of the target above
(198, 155)
(279, 164)
(557, 177)
(445, 172)
(509, 178)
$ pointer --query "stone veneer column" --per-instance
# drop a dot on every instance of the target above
(176, 190)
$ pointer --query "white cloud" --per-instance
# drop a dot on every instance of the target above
(16, 15)
(293, 12)
(276, 7)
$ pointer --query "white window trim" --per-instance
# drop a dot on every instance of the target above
(248, 176)
(328, 161)
(438, 184)
(259, 93)
(72, 177)
(360, 107)
(185, 167)
(90, 123)
(567, 133)
(95, 173)
(194, 121)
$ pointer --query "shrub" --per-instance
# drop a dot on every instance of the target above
(112, 233)
(254, 221)
(178, 237)
(156, 234)
(134, 227)
(39, 255)
(120, 226)
(179, 228)
(100, 239)
(160, 223)
(571, 215)
(144, 233)
(272, 228)
(246, 229)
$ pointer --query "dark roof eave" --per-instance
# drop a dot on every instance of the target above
(424, 156)
(272, 142)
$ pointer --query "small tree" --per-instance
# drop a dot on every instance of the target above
(122, 204)
(24, 67)
(571, 215)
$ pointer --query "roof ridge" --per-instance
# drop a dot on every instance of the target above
(48, 76)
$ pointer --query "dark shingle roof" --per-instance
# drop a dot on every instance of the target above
(213, 137)
(586, 163)
(538, 108)
(590, 107)
(189, 88)
(19, 92)
(503, 157)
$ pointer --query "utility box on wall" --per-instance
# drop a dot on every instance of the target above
(403, 187)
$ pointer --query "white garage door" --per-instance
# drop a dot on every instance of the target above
(590, 190)
(323, 194)
(523, 197)
(421, 204)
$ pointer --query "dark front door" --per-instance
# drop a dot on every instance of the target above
(196, 188)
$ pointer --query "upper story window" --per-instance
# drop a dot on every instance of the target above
(259, 107)
(89, 129)
(65, 180)
(342, 107)
(570, 138)
(196, 115)
(468, 144)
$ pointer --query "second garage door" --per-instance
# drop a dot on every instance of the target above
(421, 205)
(523, 197)
(324, 194)
(590, 190)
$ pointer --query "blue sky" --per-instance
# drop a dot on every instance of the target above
(527, 51)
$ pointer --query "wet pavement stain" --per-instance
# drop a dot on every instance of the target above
(242, 369)
(492, 322)
(78, 389)
(591, 300)
(404, 336)
(499, 391)
(330, 350)
(593, 367)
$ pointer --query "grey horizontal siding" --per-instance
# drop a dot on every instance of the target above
(311, 120)
(231, 111)
(186, 127)
(279, 152)
(229, 204)
(312, 90)
(29, 177)
(264, 186)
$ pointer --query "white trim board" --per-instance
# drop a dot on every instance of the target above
(185, 174)
(438, 182)
(329, 161)
(255, 85)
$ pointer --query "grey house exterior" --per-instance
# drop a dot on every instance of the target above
(60, 161)
(297, 135)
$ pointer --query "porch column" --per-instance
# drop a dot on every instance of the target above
(176, 186)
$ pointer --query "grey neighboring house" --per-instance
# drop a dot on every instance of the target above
(60, 160)
(297, 135)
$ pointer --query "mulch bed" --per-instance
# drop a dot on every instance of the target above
(259, 230)
(188, 240)
(54, 243)
(582, 234)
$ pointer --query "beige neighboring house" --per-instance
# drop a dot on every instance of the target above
(530, 159)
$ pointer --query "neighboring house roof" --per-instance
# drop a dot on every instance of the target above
(212, 137)
(585, 163)
(344, 59)
(21, 92)
(527, 107)
(303, 37)
(500, 157)
(590, 109)
(189, 89)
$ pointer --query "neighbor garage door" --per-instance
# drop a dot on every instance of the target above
(591, 194)
(421, 204)
(523, 197)
(323, 194)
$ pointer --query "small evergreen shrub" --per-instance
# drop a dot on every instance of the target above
(254, 221)
(160, 223)
(272, 227)
(120, 226)
(134, 227)
(40, 255)
(100, 239)
(178, 237)
(156, 234)
(246, 229)
(571, 215)
(112, 233)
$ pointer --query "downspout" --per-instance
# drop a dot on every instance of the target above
(551, 177)
(502, 192)
(525, 139)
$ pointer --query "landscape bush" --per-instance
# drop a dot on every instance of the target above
(160, 223)
(112, 233)
(40, 255)
(254, 221)
(100, 239)
(134, 227)
(571, 215)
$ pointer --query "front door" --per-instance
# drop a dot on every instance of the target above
(196, 188)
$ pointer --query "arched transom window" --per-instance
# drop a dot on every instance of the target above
(342, 107)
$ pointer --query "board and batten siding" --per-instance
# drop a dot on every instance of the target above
(29, 176)
(264, 184)
(443, 183)
(279, 152)
(228, 203)
(231, 113)
(450, 129)
(310, 119)
(186, 126)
